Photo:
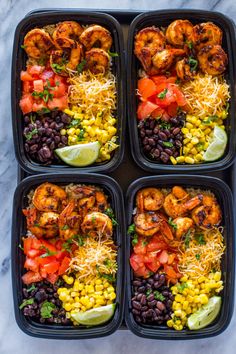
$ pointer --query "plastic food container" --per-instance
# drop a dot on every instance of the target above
(33, 328)
(162, 19)
(224, 197)
(19, 58)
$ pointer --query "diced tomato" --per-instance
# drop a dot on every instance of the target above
(170, 271)
(146, 88)
(179, 96)
(58, 91)
(58, 103)
(167, 99)
(45, 260)
(52, 267)
(38, 85)
(145, 109)
(26, 103)
(141, 246)
(43, 272)
(136, 261)
(158, 112)
(27, 86)
(59, 79)
(36, 244)
(142, 272)
(163, 257)
(172, 109)
(48, 77)
(171, 258)
(158, 79)
(156, 244)
(171, 79)
(33, 253)
(38, 106)
(64, 265)
(25, 76)
(35, 69)
(153, 264)
(61, 254)
(48, 245)
(31, 277)
(52, 278)
(31, 264)
(27, 245)
(59, 244)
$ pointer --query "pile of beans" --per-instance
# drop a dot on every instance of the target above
(161, 140)
(42, 135)
(152, 300)
(41, 292)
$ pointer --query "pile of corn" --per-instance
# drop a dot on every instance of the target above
(85, 294)
(85, 129)
(190, 295)
(197, 134)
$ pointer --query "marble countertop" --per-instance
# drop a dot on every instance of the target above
(12, 339)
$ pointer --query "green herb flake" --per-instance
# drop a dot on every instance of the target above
(23, 46)
(199, 237)
(46, 309)
(182, 286)
(162, 94)
(131, 229)
(172, 224)
(193, 63)
(31, 134)
(107, 262)
(109, 212)
(48, 253)
(210, 119)
(25, 303)
(197, 256)
(189, 44)
(164, 125)
(158, 295)
(22, 249)
(79, 239)
(81, 135)
(167, 144)
(33, 287)
(135, 239)
(112, 54)
(58, 68)
(187, 238)
(65, 227)
(81, 65)
(44, 110)
(148, 292)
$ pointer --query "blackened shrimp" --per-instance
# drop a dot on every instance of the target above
(96, 37)
(212, 60)
(180, 33)
(37, 43)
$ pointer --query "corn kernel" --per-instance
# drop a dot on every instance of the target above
(217, 276)
(185, 131)
(63, 131)
(189, 125)
(67, 306)
(170, 323)
(189, 160)
(173, 160)
(203, 299)
(180, 159)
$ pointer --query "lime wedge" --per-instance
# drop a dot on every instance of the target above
(79, 155)
(94, 316)
(217, 147)
(206, 314)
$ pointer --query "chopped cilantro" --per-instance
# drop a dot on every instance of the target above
(200, 239)
(193, 63)
(46, 309)
(65, 227)
(75, 123)
(135, 239)
(21, 247)
(48, 253)
(58, 68)
(187, 238)
(172, 224)
(189, 44)
(167, 144)
(131, 229)
(110, 277)
(107, 262)
(33, 287)
(158, 295)
(165, 125)
(25, 303)
(162, 94)
(148, 292)
(31, 134)
(23, 46)
(182, 286)
(109, 212)
(81, 135)
(81, 65)
(210, 119)
(44, 110)
(197, 256)
(112, 54)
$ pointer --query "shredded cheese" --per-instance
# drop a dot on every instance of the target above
(93, 93)
(200, 259)
(94, 258)
(207, 95)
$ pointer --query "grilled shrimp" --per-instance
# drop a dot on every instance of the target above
(207, 34)
(69, 221)
(212, 60)
(184, 71)
(37, 43)
(96, 36)
(149, 199)
(177, 202)
(180, 33)
(147, 42)
(97, 61)
(67, 29)
(147, 224)
(164, 59)
(41, 224)
(207, 215)
(182, 226)
(63, 60)
(97, 223)
(90, 199)
(48, 197)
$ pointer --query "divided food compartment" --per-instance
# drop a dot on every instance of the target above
(162, 19)
(224, 197)
(19, 57)
(112, 189)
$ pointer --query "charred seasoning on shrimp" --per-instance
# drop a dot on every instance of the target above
(177, 245)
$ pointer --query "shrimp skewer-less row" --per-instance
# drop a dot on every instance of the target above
(159, 52)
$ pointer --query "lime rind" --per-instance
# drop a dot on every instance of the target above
(80, 155)
(217, 147)
(95, 316)
(206, 314)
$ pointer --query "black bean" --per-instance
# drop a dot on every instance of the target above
(150, 280)
(176, 131)
(160, 306)
(52, 145)
(151, 142)
(156, 130)
(162, 136)
(152, 124)
(150, 297)
(142, 134)
(147, 148)
(145, 141)
(162, 279)
(34, 148)
(178, 137)
(64, 139)
(167, 133)
(149, 313)
(48, 131)
(141, 289)
(156, 276)
(156, 153)
(138, 319)
(171, 297)
(152, 303)
(165, 293)
(169, 303)
(164, 157)
(148, 286)
(135, 312)
(148, 132)
(137, 283)
(144, 308)
(136, 305)
(178, 143)
(169, 152)
(143, 300)
(159, 147)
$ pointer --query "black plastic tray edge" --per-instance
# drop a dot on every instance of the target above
(49, 331)
(32, 167)
(138, 156)
(222, 188)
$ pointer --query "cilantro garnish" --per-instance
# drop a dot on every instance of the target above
(109, 212)
(135, 239)
(48, 253)
(162, 94)
(197, 256)
(33, 287)
(81, 65)
(171, 223)
(23, 46)
(46, 309)
(21, 247)
(200, 239)
(158, 295)
(187, 238)
(111, 54)
(25, 303)
(31, 134)
(58, 68)
(131, 229)
(167, 144)
(182, 286)
(193, 63)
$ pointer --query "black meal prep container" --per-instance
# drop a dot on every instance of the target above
(163, 18)
(20, 201)
(224, 197)
(19, 57)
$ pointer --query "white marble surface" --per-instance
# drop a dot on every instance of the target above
(12, 340)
